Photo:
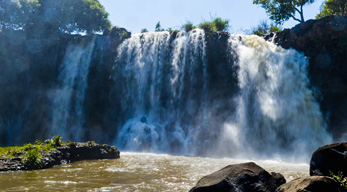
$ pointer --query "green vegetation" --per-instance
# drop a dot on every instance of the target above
(282, 10)
(333, 8)
(31, 154)
(188, 26)
(32, 159)
(39, 17)
(158, 27)
(29, 150)
(91, 143)
(264, 28)
(144, 30)
(340, 179)
(217, 24)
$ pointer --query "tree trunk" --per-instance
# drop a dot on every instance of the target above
(301, 14)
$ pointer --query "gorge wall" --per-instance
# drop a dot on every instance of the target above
(155, 90)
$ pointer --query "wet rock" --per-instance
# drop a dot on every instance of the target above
(329, 158)
(63, 155)
(311, 184)
(243, 177)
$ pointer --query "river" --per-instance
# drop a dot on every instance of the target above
(133, 172)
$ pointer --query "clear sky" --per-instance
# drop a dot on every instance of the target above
(135, 15)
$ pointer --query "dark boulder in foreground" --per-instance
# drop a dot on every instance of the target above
(63, 155)
(311, 184)
(243, 177)
(329, 158)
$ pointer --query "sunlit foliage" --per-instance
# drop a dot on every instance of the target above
(217, 24)
(66, 16)
(264, 28)
(333, 8)
(282, 10)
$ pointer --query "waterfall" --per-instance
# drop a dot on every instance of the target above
(163, 81)
(168, 105)
(67, 115)
(276, 110)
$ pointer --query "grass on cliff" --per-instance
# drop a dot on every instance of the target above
(39, 149)
(31, 154)
(18, 151)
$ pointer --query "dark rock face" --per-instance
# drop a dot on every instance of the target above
(329, 158)
(324, 42)
(64, 155)
(240, 177)
(310, 184)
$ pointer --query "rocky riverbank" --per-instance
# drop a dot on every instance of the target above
(327, 173)
(47, 155)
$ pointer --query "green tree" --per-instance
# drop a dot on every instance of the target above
(333, 8)
(217, 24)
(264, 28)
(15, 14)
(282, 10)
(188, 26)
(158, 27)
(46, 16)
(220, 24)
(144, 30)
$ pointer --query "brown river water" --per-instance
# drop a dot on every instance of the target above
(133, 172)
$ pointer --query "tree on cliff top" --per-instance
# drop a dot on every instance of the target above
(264, 28)
(52, 15)
(282, 10)
(218, 24)
(333, 8)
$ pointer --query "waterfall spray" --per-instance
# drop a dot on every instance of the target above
(166, 103)
(276, 111)
(161, 77)
(67, 119)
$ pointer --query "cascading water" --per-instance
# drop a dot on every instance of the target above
(163, 79)
(167, 100)
(276, 111)
(67, 115)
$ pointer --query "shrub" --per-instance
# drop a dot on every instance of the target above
(188, 26)
(158, 27)
(217, 24)
(144, 30)
(28, 147)
(221, 25)
(91, 143)
(274, 29)
(264, 28)
(207, 27)
(38, 142)
(340, 179)
(56, 141)
(32, 159)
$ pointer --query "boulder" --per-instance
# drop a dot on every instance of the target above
(310, 184)
(243, 177)
(329, 158)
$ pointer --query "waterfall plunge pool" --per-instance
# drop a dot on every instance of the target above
(133, 172)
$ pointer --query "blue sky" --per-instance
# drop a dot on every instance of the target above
(135, 15)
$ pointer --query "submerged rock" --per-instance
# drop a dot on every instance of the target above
(243, 177)
(329, 158)
(310, 184)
